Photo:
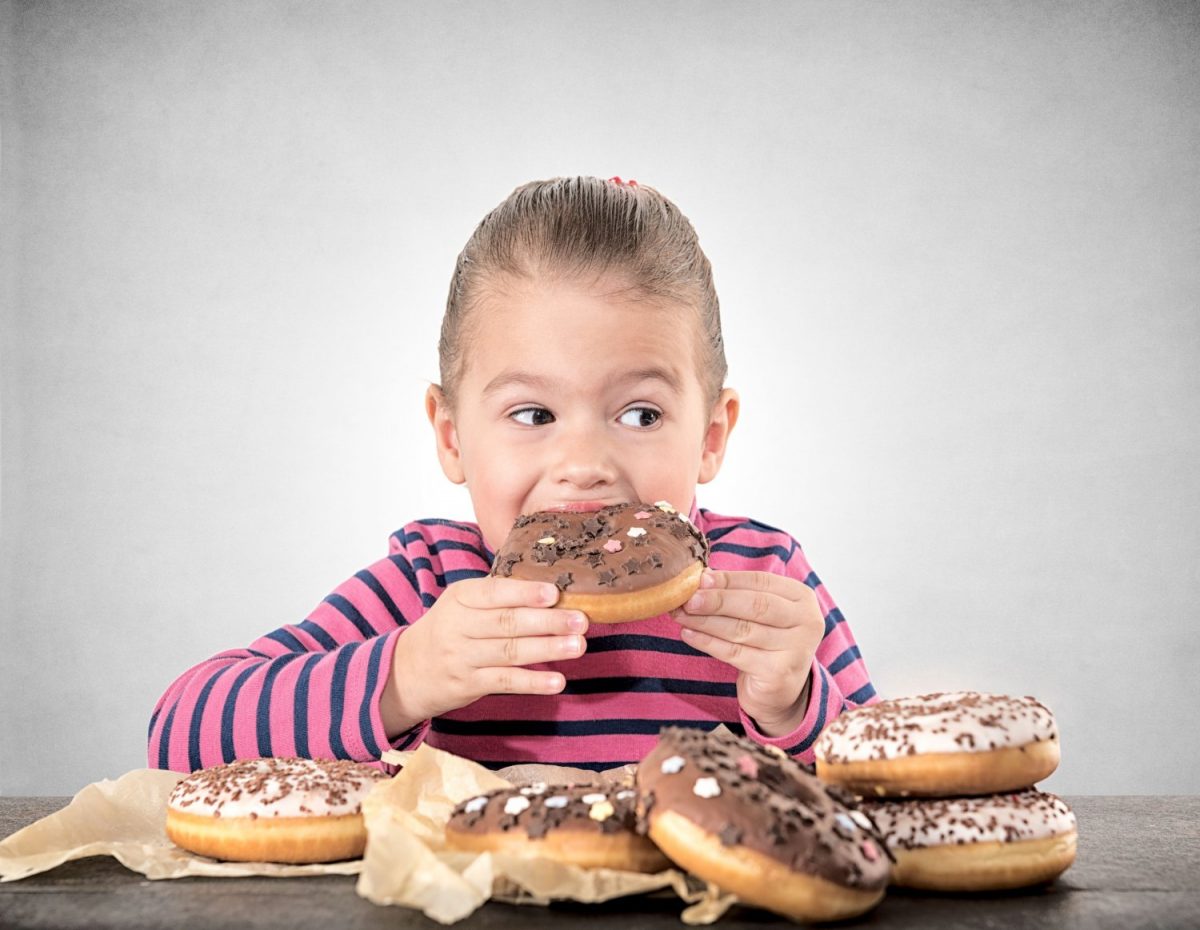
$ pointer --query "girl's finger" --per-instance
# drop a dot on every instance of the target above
(523, 650)
(734, 630)
(510, 680)
(783, 586)
(759, 607)
(508, 622)
(742, 657)
(489, 592)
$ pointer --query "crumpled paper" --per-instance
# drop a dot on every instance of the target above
(407, 861)
(126, 819)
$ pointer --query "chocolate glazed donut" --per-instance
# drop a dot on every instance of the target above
(590, 826)
(620, 563)
(755, 823)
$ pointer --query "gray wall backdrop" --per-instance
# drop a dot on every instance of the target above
(955, 243)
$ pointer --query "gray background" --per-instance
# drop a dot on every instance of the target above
(955, 243)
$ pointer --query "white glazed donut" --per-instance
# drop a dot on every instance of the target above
(977, 844)
(935, 745)
(273, 810)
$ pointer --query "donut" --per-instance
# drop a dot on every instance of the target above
(753, 822)
(936, 745)
(991, 843)
(273, 810)
(590, 826)
(623, 562)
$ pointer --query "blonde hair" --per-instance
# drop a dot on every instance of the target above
(580, 227)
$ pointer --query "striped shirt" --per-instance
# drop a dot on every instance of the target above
(313, 688)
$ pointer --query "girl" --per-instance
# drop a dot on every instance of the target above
(582, 365)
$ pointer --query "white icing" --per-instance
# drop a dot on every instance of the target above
(594, 798)
(1027, 815)
(538, 787)
(957, 721)
(625, 795)
(475, 805)
(559, 800)
(275, 788)
(672, 764)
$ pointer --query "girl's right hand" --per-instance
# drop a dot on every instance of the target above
(476, 640)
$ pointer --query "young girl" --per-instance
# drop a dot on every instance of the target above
(582, 365)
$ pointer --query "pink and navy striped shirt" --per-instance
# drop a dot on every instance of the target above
(313, 688)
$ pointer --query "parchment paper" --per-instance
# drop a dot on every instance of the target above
(407, 861)
(126, 819)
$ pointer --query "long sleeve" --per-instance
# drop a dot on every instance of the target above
(307, 689)
(839, 678)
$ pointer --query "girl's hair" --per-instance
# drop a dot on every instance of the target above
(586, 227)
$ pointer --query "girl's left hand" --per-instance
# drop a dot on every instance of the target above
(767, 627)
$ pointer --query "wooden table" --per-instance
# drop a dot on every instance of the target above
(1138, 866)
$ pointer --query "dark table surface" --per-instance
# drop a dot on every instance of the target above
(1138, 866)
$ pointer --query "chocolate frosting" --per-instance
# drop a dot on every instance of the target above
(759, 798)
(616, 550)
(537, 809)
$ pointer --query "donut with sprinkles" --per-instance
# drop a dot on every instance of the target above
(620, 563)
(273, 810)
(989, 843)
(590, 826)
(939, 745)
(752, 821)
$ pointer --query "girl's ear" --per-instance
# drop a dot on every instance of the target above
(444, 433)
(720, 424)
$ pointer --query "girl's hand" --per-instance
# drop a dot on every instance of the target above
(767, 627)
(476, 640)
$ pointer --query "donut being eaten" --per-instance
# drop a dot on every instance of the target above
(621, 563)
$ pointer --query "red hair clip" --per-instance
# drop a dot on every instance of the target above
(619, 181)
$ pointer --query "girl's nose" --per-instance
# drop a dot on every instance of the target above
(585, 461)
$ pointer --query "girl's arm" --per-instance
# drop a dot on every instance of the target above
(307, 689)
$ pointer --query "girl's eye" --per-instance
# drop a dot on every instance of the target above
(532, 416)
(642, 417)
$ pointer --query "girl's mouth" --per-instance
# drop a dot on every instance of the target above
(580, 506)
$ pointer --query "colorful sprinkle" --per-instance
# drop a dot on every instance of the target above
(747, 766)
(664, 506)
(538, 787)
(546, 541)
(559, 800)
(594, 798)
(642, 515)
(515, 805)
(672, 765)
(869, 850)
(625, 795)
(635, 532)
(612, 546)
(706, 788)
(601, 810)
(845, 821)
(861, 819)
(475, 805)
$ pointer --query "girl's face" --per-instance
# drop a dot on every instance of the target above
(573, 397)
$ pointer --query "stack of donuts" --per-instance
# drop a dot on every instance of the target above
(949, 780)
